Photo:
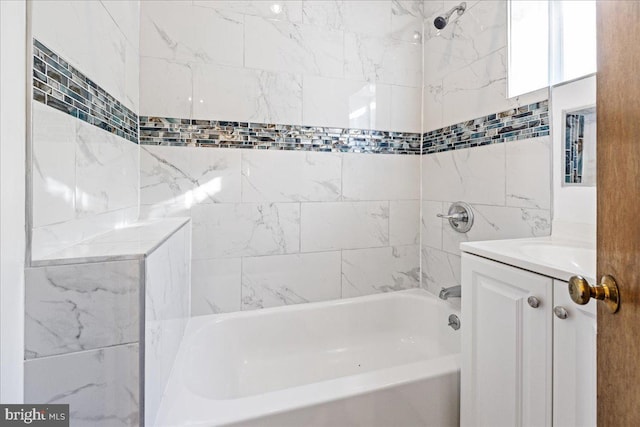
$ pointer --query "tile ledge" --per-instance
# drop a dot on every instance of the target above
(135, 241)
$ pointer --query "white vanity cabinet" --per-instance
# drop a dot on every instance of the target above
(506, 345)
(574, 360)
(523, 364)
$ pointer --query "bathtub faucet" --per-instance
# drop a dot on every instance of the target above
(452, 292)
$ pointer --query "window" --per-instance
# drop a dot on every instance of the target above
(549, 43)
(528, 32)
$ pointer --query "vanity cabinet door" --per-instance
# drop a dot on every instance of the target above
(574, 360)
(506, 345)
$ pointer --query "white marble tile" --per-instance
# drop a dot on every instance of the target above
(480, 89)
(385, 60)
(164, 176)
(243, 94)
(477, 89)
(216, 174)
(404, 222)
(184, 176)
(431, 224)
(174, 99)
(498, 222)
(54, 174)
(100, 386)
(215, 286)
(324, 13)
(52, 238)
(107, 169)
(346, 103)
(278, 176)
(473, 175)
(180, 32)
(163, 211)
(247, 229)
(480, 31)
(367, 17)
(439, 56)
(432, 105)
(344, 225)
(282, 10)
(439, 270)
(167, 277)
(380, 177)
(132, 78)
(167, 310)
(81, 307)
(290, 279)
(126, 15)
(122, 241)
(141, 231)
(406, 104)
(406, 20)
(85, 35)
(293, 48)
(370, 271)
(529, 173)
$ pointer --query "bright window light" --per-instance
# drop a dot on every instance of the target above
(574, 39)
(528, 46)
(571, 26)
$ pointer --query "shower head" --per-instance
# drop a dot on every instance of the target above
(441, 21)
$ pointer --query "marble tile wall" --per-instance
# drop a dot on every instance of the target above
(79, 307)
(508, 184)
(282, 227)
(508, 187)
(85, 179)
(84, 324)
(82, 334)
(101, 386)
(167, 309)
(347, 64)
(465, 64)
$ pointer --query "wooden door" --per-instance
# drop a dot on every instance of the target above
(506, 355)
(618, 110)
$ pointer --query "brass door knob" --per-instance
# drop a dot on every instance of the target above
(581, 292)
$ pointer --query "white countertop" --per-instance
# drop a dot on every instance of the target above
(135, 241)
(557, 257)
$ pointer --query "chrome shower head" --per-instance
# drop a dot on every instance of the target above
(441, 21)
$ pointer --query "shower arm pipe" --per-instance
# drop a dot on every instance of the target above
(459, 8)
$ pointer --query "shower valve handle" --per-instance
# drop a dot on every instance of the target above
(459, 216)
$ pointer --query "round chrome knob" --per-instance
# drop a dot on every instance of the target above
(560, 312)
(533, 302)
(581, 292)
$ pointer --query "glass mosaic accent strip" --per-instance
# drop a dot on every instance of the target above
(225, 134)
(529, 121)
(574, 143)
(59, 85)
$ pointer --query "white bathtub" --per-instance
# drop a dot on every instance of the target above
(380, 360)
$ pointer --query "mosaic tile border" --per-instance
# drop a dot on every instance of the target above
(59, 85)
(227, 134)
(529, 121)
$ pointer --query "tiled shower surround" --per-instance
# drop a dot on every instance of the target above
(282, 227)
(283, 223)
(59, 85)
(526, 122)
